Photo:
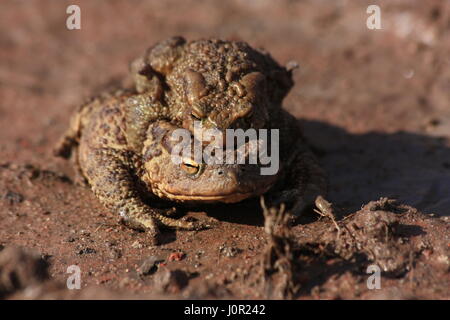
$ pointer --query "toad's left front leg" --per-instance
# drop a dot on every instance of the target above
(304, 184)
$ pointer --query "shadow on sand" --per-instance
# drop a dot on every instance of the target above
(409, 167)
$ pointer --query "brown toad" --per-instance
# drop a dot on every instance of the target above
(224, 84)
(124, 180)
(127, 161)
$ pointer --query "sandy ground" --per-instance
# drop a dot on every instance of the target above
(375, 104)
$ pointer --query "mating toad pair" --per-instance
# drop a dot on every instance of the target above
(121, 141)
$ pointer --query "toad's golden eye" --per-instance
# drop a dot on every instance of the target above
(190, 167)
(196, 117)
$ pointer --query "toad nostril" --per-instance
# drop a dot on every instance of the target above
(220, 172)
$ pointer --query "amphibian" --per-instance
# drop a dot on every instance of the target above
(224, 84)
(125, 180)
(125, 155)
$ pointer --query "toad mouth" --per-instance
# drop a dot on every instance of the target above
(231, 197)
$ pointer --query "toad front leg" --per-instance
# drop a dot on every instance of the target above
(304, 185)
(113, 181)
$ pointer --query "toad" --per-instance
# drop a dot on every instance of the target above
(123, 150)
(125, 181)
(223, 84)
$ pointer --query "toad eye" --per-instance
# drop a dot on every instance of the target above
(190, 167)
(196, 117)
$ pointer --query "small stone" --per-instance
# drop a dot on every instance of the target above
(13, 197)
(172, 281)
(86, 251)
(149, 266)
(229, 251)
(176, 256)
(85, 233)
(20, 268)
(137, 245)
(115, 253)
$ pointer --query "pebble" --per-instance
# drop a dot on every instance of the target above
(172, 281)
(149, 266)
